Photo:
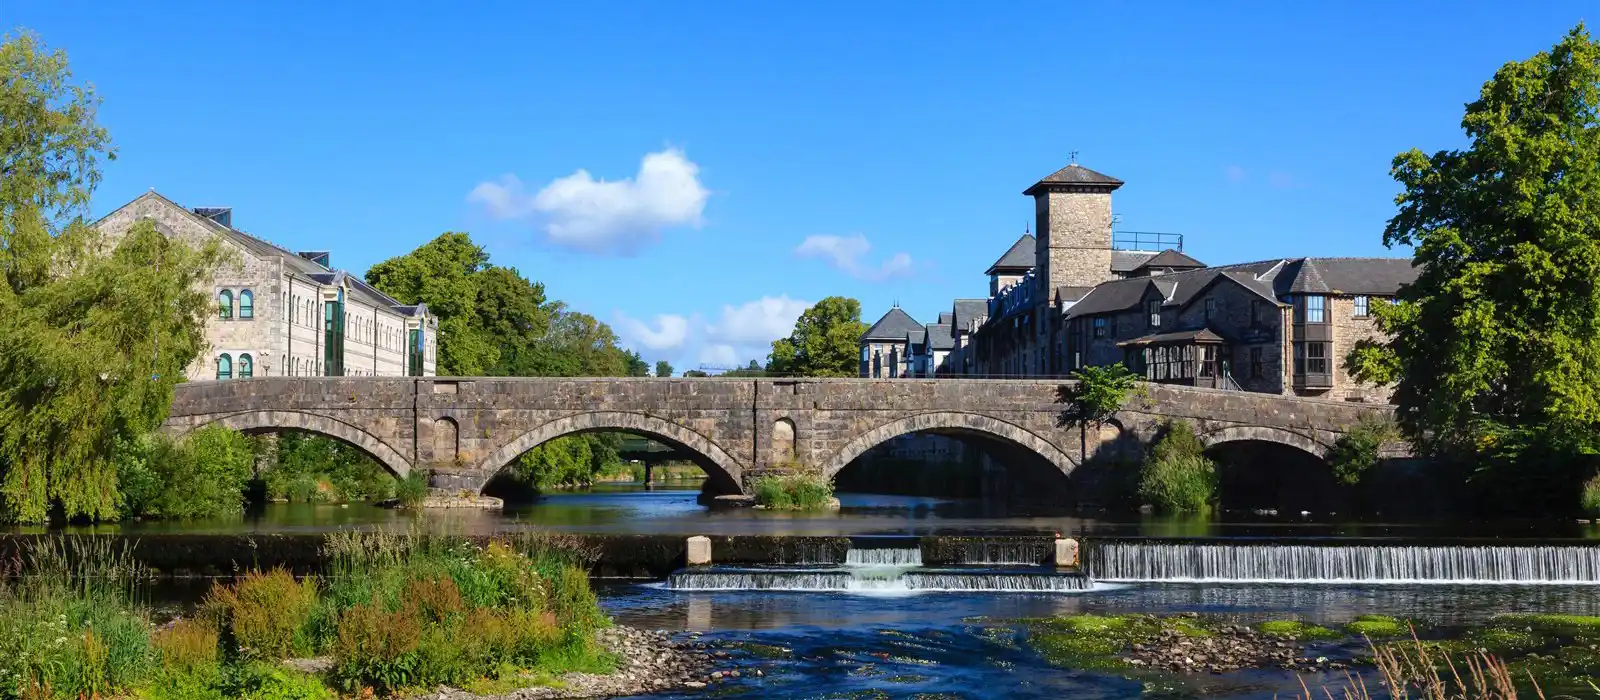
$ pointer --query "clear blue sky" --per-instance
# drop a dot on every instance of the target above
(370, 128)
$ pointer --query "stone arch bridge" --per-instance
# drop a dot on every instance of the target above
(464, 430)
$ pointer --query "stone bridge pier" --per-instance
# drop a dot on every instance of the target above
(465, 430)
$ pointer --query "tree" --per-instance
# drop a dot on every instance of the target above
(826, 341)
(1101, 392)
(1496, 346)
(754, 369)
(663, 368)
(444, 274)
(695, 373)
(637, 367)
(94, 336)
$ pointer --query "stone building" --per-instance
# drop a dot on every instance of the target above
(1075, 294)
(280, 313)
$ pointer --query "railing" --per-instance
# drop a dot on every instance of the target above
(1146, 240)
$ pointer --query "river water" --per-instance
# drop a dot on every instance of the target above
(877, 637)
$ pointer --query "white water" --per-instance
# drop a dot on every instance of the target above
(874, 571)
(1270, 563)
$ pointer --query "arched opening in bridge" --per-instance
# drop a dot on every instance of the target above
(1268, 478)
(608, 453)
(959, 460)
(294, 466)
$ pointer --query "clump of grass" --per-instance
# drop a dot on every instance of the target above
(794, 492)
(1589, 499)
(1176, 476)
(1296, 629)
(411, 491)
(1419, 670)
(266, 615)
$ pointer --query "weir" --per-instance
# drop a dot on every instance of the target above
(881, 570)
(1342, 563)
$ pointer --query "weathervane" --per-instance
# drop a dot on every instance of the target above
(1074, 155)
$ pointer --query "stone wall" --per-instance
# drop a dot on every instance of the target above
(466, 429)
(1074, 237)
(1348, 329)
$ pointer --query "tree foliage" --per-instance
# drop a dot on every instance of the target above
(95, 335)
(1498, 341)
(1176, 476)
(1101, 391)
(203, 475)
(1356, 452)
(826, 341)
(663, 368)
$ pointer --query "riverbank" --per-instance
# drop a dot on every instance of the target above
(647, 662)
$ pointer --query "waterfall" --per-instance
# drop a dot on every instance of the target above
(877, 569)
(1333, 563)
(1007, 552)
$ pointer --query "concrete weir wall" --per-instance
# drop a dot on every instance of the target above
(464, 430)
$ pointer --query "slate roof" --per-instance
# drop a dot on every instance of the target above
(939, 337)
(1204, 335)
(1069, 293)
(945, 317)
(1379, 276)
(359, 289)
(1128, 260)
(1171, 258)
(916, 337)
(1019, 258)
(1177, 287)
(1075, 174)
(968, 310)
(893, 326)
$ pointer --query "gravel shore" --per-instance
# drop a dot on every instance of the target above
(649, 662)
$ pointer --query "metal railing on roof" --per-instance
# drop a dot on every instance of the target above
(1146, 240)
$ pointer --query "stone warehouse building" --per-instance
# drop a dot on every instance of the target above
(280, 313)
(1078, 295)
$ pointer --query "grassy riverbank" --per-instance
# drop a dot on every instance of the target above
(394, 613)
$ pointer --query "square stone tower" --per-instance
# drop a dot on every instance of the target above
(1072, 213)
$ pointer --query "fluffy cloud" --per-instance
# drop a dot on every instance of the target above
(731, 338)
(597, 216)
(847, 254)
(668, 334)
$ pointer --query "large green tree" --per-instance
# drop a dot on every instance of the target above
(1496, 347)
(826, 341)
(95, 332)
(663, 368)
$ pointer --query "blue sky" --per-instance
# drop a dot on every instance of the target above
(662, 166)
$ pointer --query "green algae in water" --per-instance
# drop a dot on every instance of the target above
(1379, 626)
(1297, 629)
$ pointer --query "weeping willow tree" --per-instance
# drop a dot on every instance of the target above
(96, 332)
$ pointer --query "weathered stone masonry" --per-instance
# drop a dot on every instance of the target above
(466, 429)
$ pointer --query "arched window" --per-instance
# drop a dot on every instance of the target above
(247, 304)
(247, 366)
(225, 304)
(224, 366)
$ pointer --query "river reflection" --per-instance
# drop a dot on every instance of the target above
(816, 645)
(631, 509)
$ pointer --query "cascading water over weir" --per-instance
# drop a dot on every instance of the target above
(1342, 563)
(878, 569)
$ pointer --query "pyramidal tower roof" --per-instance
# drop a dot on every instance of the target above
(893, 326)
(1075, 175)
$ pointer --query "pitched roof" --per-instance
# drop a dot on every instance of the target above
(1204, 335)
(945, 317)
(916, 336)
(293, 262)
(1382, 276)
(1128, 260)
(1177, 287)
(893, 326)
(1069, 293)
(1019, 258)
(939, 337)
(966, 311)
(1075, 174)
(1171, 258)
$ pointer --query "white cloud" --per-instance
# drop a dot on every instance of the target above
(670, 331)
(597, 216)
(757, 322)
(847, 254)
(720, 355)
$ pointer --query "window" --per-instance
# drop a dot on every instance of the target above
(1299, 359)
(225, 304)
(866, 352)
(1316, 311)
(1255, 312)
(1316, 358)
(1153, 307)
(1257, 367)
(247, 366)
(1100, 327)
(247, 304)
(1362, 310)
(1208, 360)
(1213, 307)
(224, 366)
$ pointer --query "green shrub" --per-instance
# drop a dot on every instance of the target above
(317, 469)
(1176, 476)
(412, 490)
(1355, 453)
(266, 615)
(202, 475)
(793, 492)
(1590, 499)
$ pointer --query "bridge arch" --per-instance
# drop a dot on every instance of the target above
(953, 422)
(720, 467)
(1261, 433)
(271, 421)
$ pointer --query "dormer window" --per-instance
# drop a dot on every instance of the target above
(1153, 308)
